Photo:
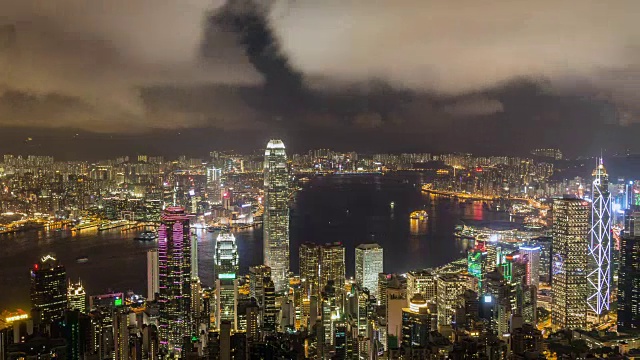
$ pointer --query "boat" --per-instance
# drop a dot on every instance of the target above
(147, 236)
(392, 204)
(419, 215)
(82, 259)
(463, 232)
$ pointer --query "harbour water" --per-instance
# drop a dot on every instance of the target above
(351, 209)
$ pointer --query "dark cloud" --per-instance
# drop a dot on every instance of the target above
(305, 66)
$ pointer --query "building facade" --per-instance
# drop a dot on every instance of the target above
(48, 290)
(599, 278)
(369, 263)
(276, 213)
(174, 270)
(629, 274)
(569, 267)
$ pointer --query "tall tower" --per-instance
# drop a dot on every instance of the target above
(599, 278)
(369, 263)
(332, 266)
(310, 269)
(153, 280)
(174, 262)
(226, 268)
(629, 274)
(569, 268)
(48, 290)
(276, 213)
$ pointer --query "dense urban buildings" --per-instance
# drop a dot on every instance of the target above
(569, 268)
(276, 214)
(518, 282)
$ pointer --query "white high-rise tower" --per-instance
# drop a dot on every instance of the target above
(276, 213)
(599, 278)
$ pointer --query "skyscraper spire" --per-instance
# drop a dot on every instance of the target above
(599, 265)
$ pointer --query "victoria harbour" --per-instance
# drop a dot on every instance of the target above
(351, 209)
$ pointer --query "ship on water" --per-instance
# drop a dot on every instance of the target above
(147, 236)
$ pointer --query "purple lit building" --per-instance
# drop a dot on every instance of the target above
(174, 262)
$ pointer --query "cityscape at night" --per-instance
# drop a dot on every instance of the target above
(299, 179)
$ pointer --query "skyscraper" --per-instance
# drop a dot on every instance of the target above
(276, 213)
(569, 268)
(48, 290)
(369, 263)
(532, 255)
(174, 263)
(77, 297)
(226, 261)
(629, 274)
(153, 280)
(257, 275)
(310, 269)
(599, 265)
(226, 268)
(332, 266)
(450, 288)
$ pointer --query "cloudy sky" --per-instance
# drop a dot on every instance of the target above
(405, 75)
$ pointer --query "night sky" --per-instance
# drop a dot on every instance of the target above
(88, 79)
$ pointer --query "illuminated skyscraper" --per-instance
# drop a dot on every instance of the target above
(226, 267)
(450, 288)
(276, 213)
(174, 262)
(226, 256)
(310, 269)
(332, 266)
(153, 280)
(569, 268)
(320, 264)
(599, 265)
(369, 263)
(532, 256)
(48, 290)
(629, 274)
(76, 297)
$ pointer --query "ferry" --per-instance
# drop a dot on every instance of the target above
(463, 232)
(82, 259)
(419, 215)
(147, 236)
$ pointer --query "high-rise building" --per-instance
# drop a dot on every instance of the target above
(532, 255)
(174, 263)
(332, 266)
(450, 288)
(153, 279)
(269, 310)
(257, 274)
(226, 258)
(226, 268)
(76, 297)
(423, 282)
(369, 263)
(276, 213)
(629, 274)
(48, 290)
(416, 324)
(599, 261)
(310, 269)
(569, 267)
(320, 264)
